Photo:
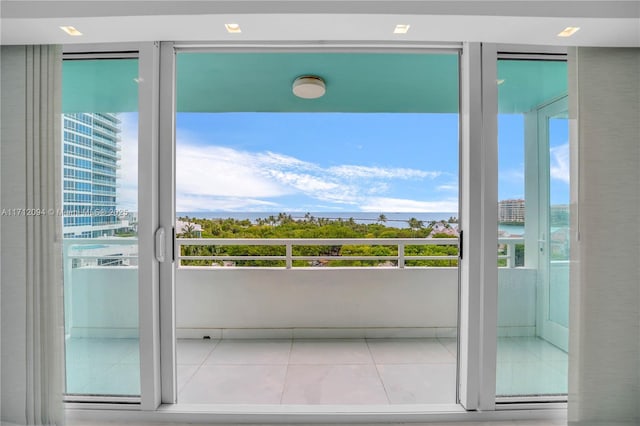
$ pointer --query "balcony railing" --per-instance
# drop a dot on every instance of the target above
(339, 255)
(100, 252)
(509, 251)
(400, 259)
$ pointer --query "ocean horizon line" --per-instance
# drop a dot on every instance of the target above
(359, 217)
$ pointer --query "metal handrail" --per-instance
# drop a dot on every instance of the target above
(289, 243)
(511, 250)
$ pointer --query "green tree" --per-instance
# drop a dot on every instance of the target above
(188, 231)
(415, 224)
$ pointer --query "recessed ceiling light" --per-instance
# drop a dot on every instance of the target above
(233, 28)
(568, 32)
(401, 29)
(309, 87)
(70, 30)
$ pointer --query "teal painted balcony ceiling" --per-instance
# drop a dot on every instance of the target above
(261, 82)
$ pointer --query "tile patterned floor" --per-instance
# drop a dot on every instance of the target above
(102, 366)
(317, 371)
(314, 371)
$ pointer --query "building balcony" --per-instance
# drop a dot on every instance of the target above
(109, 142)
(109, 121)
(105, 130)
(303, 330)
(108, 162)
(109, 172)
(109, 152)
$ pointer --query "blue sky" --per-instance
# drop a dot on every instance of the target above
(323, 162)
(317, 162)
(511, 173)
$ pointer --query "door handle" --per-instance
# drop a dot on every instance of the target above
(160, 248)
(541, 245)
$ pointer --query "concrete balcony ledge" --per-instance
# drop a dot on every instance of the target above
(359, 302)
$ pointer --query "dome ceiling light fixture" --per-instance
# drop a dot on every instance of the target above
(309, 87)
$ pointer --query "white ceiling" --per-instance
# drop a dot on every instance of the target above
(603, 23)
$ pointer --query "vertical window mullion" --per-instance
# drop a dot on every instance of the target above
(148, 83)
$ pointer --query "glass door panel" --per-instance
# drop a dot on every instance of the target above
(533, 191)
(554, 255)
(100, 191)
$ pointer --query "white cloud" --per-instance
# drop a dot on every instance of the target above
(400, 205)
(351, 171)
(447, 188)
(217, 171)
(303, 182)
(194, 203)
(560, 165)
(210, 177)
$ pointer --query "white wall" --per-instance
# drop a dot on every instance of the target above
(516, 302)
(353, 299)
(301, 302)
(327, 298)
(104, 301)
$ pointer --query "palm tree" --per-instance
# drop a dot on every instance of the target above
(189, 231)
(382, 219)
(415, 224)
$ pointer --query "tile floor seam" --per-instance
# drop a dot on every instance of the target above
(204, 360)
(216, 344)
(375, 365)
(186, 381)
(455, 355)
(286, 373)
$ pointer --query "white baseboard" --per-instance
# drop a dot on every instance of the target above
(517, 331)
(316, 333)
(300, 333)
(104, 333)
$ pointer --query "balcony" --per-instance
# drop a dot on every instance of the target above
(112, 153)
(300, 331)
(110, 142)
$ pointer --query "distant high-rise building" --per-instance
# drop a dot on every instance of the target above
(90, 163)
(511, 211)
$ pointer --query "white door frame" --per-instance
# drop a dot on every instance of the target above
(478, 220)
(546, 328)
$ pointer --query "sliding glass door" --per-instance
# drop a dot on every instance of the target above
(309, 244)
(533, 223)
(100, 218)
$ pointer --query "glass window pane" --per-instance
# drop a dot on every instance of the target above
(533, 223)
(100, 190)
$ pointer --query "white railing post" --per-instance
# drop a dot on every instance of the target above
(511, 253)
(401, 255)
(289, 255)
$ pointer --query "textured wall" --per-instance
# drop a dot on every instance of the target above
(13, 230)
(605, 287)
